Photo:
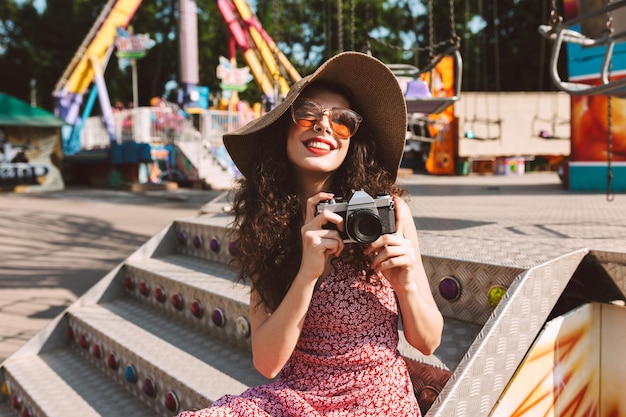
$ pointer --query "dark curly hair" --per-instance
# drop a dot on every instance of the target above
(268, 211)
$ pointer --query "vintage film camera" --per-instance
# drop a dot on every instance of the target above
(365, 217)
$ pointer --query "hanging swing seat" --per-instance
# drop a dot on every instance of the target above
(471, 133)
(551, 131)
(418, 128)
(561, 32)
(419, 95)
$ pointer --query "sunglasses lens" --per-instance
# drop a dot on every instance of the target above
(306, 113)
(344, 122)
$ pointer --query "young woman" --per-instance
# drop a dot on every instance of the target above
(324, 307)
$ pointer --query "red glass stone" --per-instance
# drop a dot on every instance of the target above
(25, 412)
(148, 387)
(113, 362)
(144, 288)
(70, 333)
(83, 341)
(16, 402)
(171, 402)
(159, 294)
(197, 309)
(129, 283)
(96, 351)
(177, 301)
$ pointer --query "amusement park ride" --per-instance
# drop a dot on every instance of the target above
(531, 327)
(84, 75)
(593, 34)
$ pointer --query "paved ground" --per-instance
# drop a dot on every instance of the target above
(53, 247)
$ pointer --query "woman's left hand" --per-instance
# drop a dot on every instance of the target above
(399, 258)
(394, 256)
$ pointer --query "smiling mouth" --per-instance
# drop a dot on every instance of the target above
(316, 144)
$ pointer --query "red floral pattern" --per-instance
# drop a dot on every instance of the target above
(346, 362)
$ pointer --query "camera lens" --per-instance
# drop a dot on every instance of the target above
(364, 226)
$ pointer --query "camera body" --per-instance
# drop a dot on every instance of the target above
(366, 218)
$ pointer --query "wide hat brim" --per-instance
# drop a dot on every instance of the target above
(376, 91)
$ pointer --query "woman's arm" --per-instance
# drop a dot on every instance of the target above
(275, 335)
(399, 258)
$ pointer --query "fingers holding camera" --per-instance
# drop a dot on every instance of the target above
(313, 202)
(394, 256)
(387, 248)
(318, 243)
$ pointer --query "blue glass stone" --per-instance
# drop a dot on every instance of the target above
(130, 374)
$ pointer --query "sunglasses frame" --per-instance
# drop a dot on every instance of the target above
(357, 118)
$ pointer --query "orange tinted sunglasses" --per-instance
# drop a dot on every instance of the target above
(307, 113)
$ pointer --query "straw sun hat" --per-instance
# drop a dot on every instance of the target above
(376, 91)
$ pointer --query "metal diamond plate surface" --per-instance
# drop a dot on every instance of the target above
(65, 385)
(475, 279)
(503, 342)
(615, 265)
(176, 357)
(204, 237)
(194, 280)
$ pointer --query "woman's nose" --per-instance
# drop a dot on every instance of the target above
(325, 122)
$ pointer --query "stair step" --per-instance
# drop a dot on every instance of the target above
(62, 384)
(205, 237)
(225, 304)
(178, 358)
(196, 273)
(5, 410)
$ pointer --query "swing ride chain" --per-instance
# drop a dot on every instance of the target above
(340, 25)
(431, 32)
(609, 154)
(555, 18)
(352, 24)
(456, 40)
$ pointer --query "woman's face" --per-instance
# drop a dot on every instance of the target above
(317, 149)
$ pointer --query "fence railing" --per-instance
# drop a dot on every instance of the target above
(159, 125)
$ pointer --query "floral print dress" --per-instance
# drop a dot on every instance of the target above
(346, 362)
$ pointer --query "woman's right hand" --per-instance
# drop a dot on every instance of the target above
(318, 244)
(275, 335)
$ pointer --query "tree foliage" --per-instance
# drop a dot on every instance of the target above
(36, 46)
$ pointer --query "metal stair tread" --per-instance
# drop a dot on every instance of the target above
(5, 410)
(206, 364)
(63, 384)
(222, 220)
(205, 275)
